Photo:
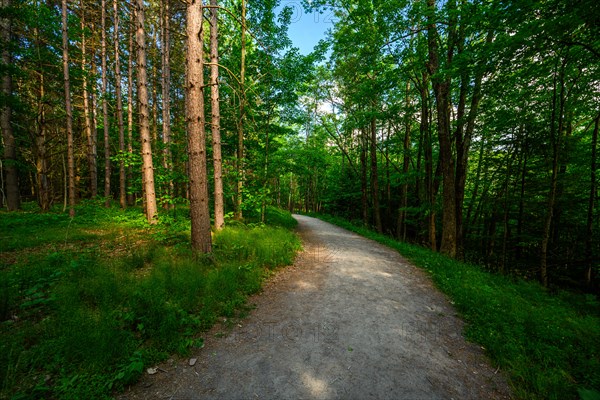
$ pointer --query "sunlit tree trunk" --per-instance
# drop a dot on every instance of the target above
(130, 195)
(166, 97)
(107, 166)
(122, 181)
(216, 116)
(200, 217)
(69, 122)
(240, 150)
(91, 144)
(145, 138)
(9, 160)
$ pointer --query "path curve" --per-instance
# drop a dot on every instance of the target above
(351, 319)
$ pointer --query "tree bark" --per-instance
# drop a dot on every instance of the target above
(441, 88)
(200, 216)
(166, 97)
(555, 138)
(401, 230)
(216, 117)
(119, 98)
(240, 150)
(107, 166)
(589, 251)
(69, 112)
(91, 144)
(375, 177)
(147, 166)
(130, 195)
(9, 161)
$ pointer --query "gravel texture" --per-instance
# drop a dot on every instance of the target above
(351, 319)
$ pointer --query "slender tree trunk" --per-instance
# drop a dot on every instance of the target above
(441, 88)
(555, 137)
(41, 154)
(200, 216)
(463, 145)
(216, 116)
(375, 177)
(69, 122)
(91, 145)
(166, 103)
(147, 166)
(107, 166)
(119, 98)
(363, 177)
(9, 161)
(240, 150)
(118, 82)
(589, 253)
(130, 195)
(154, 86)
(401, 231)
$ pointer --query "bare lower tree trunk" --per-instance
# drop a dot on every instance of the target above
(200, 216)
(41, 154)
(70, 152)
(401, 228)
(363, 178)
(122, 181)
(130, 195)
(147, 166)
(9, 160)
(441, 88)
(166, 103)
(216, 116)
(91, 145)
(105, 110)
(375, 177)
(240, 151)
(589, 253)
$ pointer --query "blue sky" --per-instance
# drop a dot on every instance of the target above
(306, 29)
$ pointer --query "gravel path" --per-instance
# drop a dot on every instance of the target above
(351, 319)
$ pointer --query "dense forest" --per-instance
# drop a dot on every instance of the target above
(470, 127)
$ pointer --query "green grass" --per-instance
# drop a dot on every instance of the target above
(86, 304)
(547, 343)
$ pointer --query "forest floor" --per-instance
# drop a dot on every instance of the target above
(350, 319)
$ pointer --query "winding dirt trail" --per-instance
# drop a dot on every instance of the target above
(350, 320)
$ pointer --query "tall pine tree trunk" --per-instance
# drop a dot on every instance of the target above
(91, 145)
(216, 116)
(9, 160)
(107, 166)
(122, 181)
(130, 195)
(242, 112)
(69, 122)
(199, 212)
(166, 96)
(147, 166)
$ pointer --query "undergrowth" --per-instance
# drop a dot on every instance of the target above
(87, 303)
(547, 343)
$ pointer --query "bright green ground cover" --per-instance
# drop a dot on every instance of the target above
(87, 303)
